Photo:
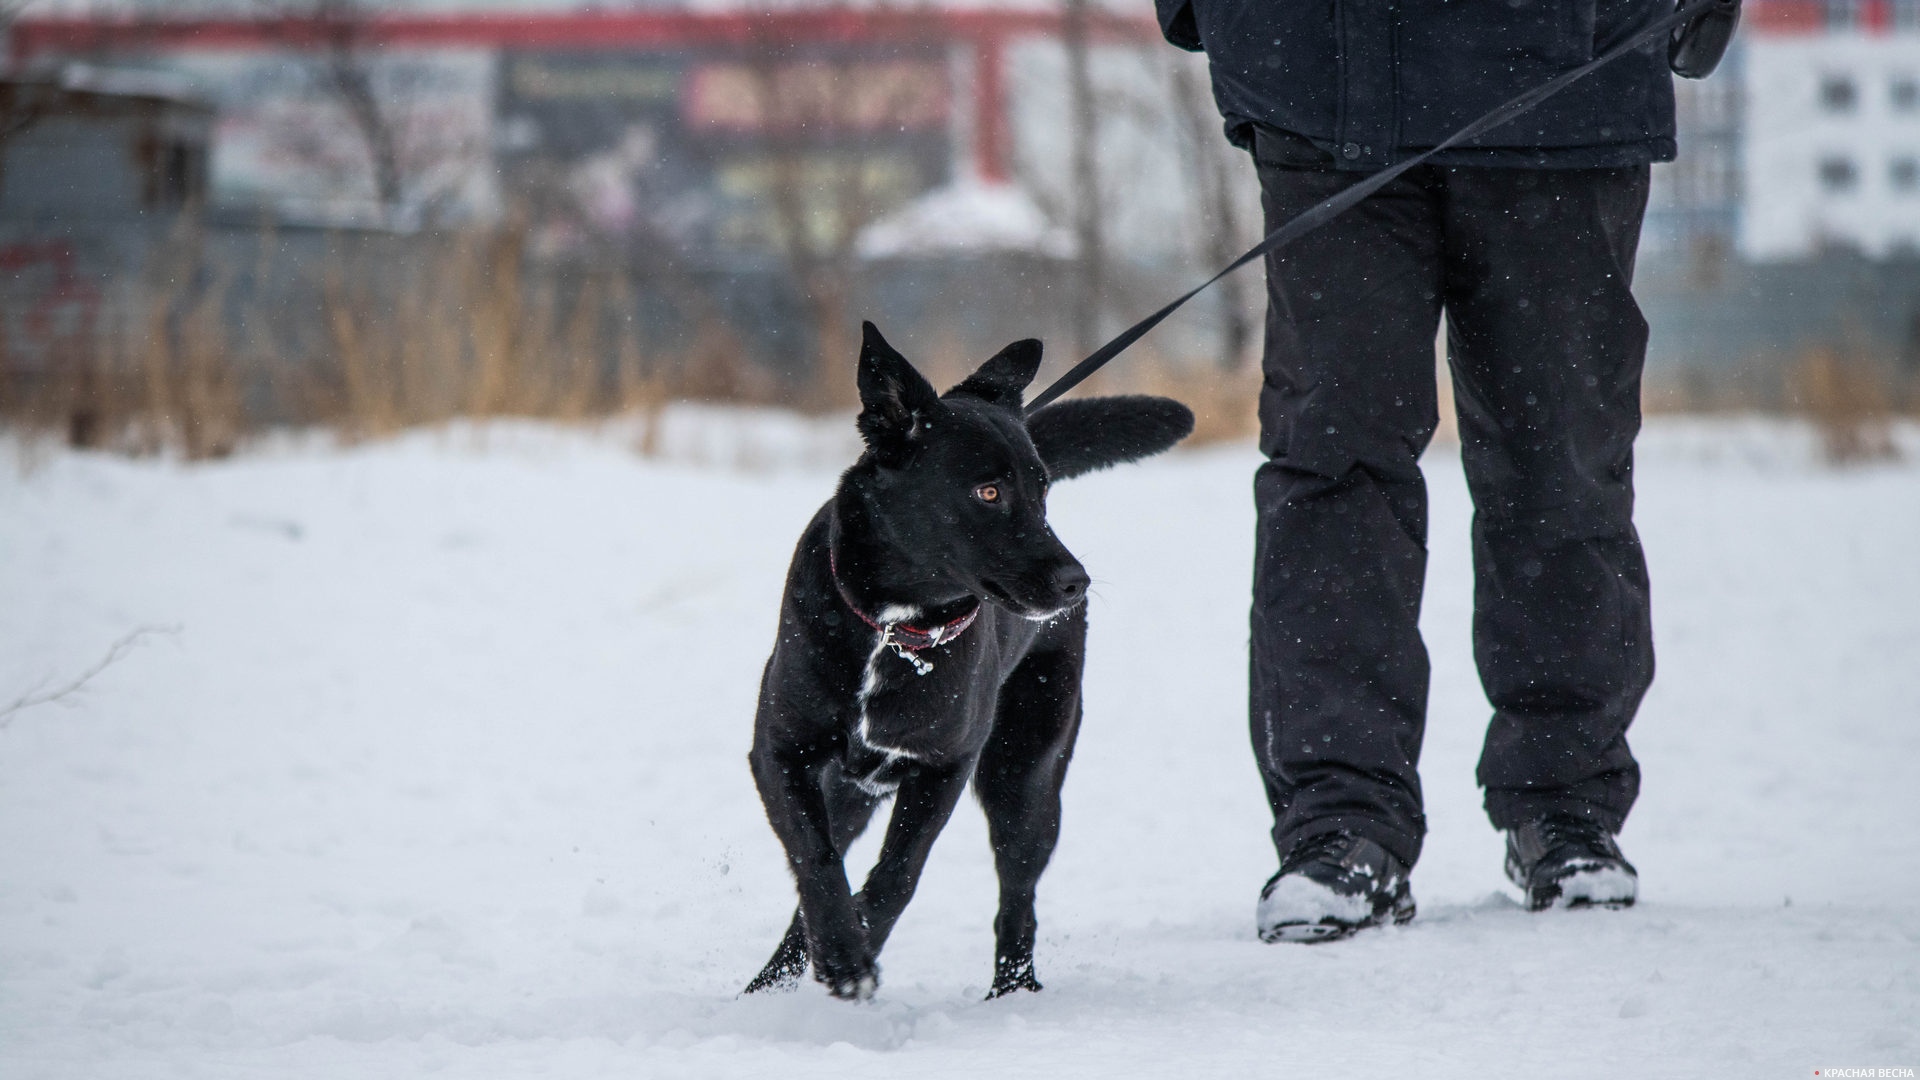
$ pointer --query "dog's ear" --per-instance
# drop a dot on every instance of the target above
(894, 398)
(1004, 378)
(1085, 434)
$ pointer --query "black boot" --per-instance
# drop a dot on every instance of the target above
(1566, 861)
(1330, 885)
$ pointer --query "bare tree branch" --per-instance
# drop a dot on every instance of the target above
(21, 110)
(1220, 224)
(817, 114)
(346, 72)
(73, 686)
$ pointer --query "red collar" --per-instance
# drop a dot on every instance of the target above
(901, 635)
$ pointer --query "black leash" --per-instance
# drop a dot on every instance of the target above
(1346, 199)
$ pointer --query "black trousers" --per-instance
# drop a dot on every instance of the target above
(1532, 269)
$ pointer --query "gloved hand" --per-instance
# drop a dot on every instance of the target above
(1700, 42)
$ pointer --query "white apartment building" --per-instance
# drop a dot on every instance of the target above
(1830, 151)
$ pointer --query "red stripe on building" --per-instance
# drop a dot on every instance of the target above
(1802, 18)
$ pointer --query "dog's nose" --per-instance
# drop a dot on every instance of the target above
(1071, 580)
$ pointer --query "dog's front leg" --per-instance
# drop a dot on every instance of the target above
(1019, 780)
(921, 807)
(836, 939)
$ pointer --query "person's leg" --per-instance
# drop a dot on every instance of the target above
(1546, 344)
(1338, 686)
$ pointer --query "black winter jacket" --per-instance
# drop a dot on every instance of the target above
(1370, 81)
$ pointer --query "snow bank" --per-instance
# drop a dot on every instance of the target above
(966, 219)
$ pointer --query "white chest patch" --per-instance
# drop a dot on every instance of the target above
(870, 685)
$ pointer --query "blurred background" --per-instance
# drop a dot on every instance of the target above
(222, 215)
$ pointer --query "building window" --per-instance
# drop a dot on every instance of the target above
(1905, 93)
(1846, 14)
(1905, 175)
(1906, 14)
(1837, 174)
(1837, 93)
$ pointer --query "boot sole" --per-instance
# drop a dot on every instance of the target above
(1579, 902)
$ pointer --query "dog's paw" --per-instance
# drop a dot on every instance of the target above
(860, 988)
(851, 979)
(856, 983)
(1009, 976)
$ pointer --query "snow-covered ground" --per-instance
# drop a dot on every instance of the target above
(435, 763)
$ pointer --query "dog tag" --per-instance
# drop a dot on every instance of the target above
(920, 667)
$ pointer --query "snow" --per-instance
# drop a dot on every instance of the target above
(966, 218)
(1298, 900)
(120, 82)
(437, 765)
(1597, 883)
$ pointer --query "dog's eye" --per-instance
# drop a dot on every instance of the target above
(987, 493)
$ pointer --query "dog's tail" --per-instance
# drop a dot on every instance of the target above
(1085, 434)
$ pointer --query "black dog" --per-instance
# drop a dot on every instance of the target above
(891, 676)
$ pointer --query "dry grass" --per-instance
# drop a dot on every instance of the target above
(468, 337)
(193, 359)
(1225, 402)
(1851, 400)
(186, 360)
(146, 373)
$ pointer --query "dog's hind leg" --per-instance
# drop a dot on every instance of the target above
(789, 961)
(1018, 783)
(849, 809)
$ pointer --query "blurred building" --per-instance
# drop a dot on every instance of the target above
(1694, 209)
(98, 144)
(1833, 114)
(1789, 228)
(692, 127)
(649, 114)
(1806, 142)
(741, 168)
(94, 166)
(747, 144)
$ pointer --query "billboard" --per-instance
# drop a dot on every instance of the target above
(726, 152)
